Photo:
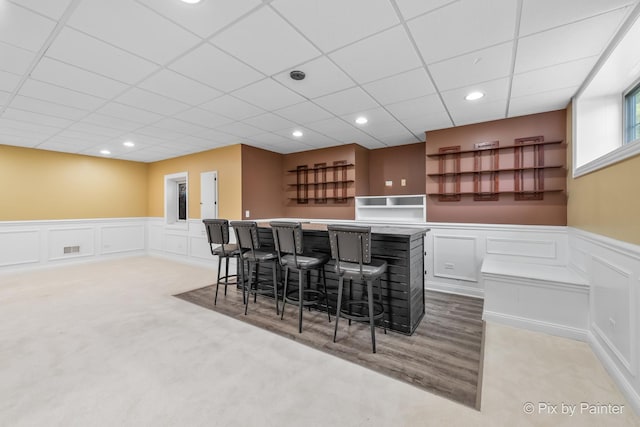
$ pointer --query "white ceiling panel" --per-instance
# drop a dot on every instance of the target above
(289, 147)
(540, 15)
(403, 86)
(269, 138)
(81, 50)
(413, 8)
(204, 18)
(151, 102)
(231, 107)
(239, 129)
(379, 56)
(26, 128)
(127, 112)
(51, 8)
(9, 81)
(94, 129)
(418, 125)
(28, 116)
(23, 28)
(331, 24)
(337, 129)
(14, 59)
(73, 136)
(569, 74)
(111, 122)
(370, 143)
(173, 85)
(218, 137)
(491, 107)
(179, 126)
(19, 141)
(388, 131)
(59, 145)
(347, 101)
(543, 101)
(163, 135)
(580, 40)
(269, 122)
(61, 74)
(4, 97)
(213, 67)
(139, 30)
(49, 108)
(462, 27)
(309, 137)
(203, 118)
(374, 116)
(322, 77)
(266, 41)
(268, 94)
(305, 112)
(48, 92)
(482, 65)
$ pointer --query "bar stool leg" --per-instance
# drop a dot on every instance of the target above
(240, 267)
(384, 325)
(371, 314)
(251, 268)
(275, 286)
(340, 284)
(215, 299)
(284, 295)
(301, 274)
(326, 294)
(226, 274)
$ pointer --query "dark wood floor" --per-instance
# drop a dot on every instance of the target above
(443, 356)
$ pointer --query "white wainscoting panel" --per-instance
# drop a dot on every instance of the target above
(454, 257)
(176, 243)
(522, 247)
(122, 238)
(59, 238)
(19, 246)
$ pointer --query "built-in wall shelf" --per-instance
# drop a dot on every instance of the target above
(504, 147)
(323, 183)
(317, 168)
(496, 170)
(412, 208)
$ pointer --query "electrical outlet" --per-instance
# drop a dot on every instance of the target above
(403, 182)
(247, 214)
(388, 183)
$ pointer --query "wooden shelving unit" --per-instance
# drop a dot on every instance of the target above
(527, 180)
(322, 183)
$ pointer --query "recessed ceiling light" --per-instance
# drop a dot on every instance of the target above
(191, 1)
(297, 133)
(128, 144)
(472, 96)
(361, 120)
(105, 152)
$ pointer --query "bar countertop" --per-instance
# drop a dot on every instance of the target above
(386, 229)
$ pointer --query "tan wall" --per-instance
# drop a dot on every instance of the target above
(394, 164)
(45, 185)
(606, 201)
(262, 183)
(227, 161)
(550, 211)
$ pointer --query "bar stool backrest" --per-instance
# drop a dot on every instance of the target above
(246, 234)
(350, 243)
(217, 231)
(287, 237)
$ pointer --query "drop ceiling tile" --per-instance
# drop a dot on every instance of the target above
(23, 28)
(337, 129)
(579, 40)
(160, 133)
(269, 122)
(541, 102)
(480, 66)
(122, 111)
(400, 137)
(17, 141)
(322, 77)
(8, 81)
(412, 8)
(111, 122)
(218, 137)
(423, 106)
(58, 95)
(379, 56)
(26, 128)
(420, 124)
(215, 68)
(73, 136)
(265, 41)
(371, 144)
(231, 107)
(494, 110)
(268, 94)
(94, 129)
(29, 117)
(204, 18)
(478, 24)
(347, 101)
(134, 28)
(331, 24)
(179, 126)
(173, 85)
(305, 112)
(270, 139)
(289, 147)
(58, 73)
(51, 8)
(83, 51)
(151, 102)
(375, 116)
(239, 129)
(388, 130)
(491, 107)
(4, 97)
(309, 137)
(540, 15)
(14, 59)
(403, 86)
(49, 108)
(60, 146)
(203, 118)
(569, 74)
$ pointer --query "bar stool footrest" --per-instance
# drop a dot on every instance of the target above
(378, 310)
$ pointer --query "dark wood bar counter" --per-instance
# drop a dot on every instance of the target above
(403, 283)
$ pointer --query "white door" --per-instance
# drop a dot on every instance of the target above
(209, 195)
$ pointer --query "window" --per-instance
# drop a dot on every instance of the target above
(176, 199)
(632, 116)
(182, 201)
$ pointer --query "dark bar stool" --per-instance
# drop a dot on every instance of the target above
(218, 235)
(288, 240)
(249, 243)
(351, 248)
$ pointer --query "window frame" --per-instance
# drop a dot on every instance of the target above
(631, 98)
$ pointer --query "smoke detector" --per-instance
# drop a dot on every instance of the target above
(297, 75)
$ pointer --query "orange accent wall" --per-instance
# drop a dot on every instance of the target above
(550, 211)
(262, 183)
(394, 164)
(227, 161)
(46, 185)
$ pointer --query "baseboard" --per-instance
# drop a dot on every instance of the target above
(467, 291)
(618, 377)
(537, 325)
